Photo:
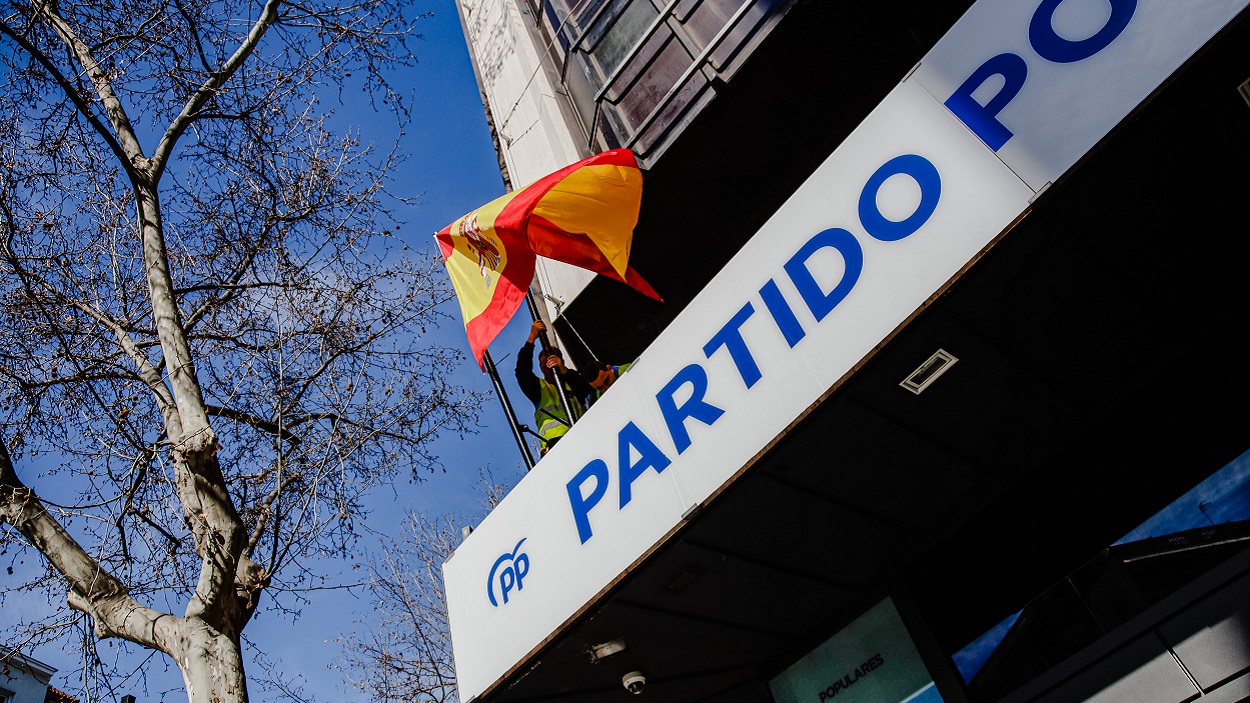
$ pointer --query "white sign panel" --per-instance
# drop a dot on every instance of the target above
(904, 203)
(1040, 82)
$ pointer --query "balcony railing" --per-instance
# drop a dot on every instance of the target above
(638, 71)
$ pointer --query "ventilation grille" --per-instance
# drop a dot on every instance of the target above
(929, 371)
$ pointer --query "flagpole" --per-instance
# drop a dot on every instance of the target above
(507, 409)
(564, 398)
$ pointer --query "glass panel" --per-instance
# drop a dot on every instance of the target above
(601, 41)
(702, 19)
(581, 91)
(1195, 533)
(971, 658)
(611, 39)
(556, 11)
(554, 18)
(743, 31)
(695, 89)
(872, 660)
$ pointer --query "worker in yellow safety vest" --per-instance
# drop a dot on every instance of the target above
(601, 377)
(549, 413)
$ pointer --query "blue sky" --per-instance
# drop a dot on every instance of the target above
(451, 169)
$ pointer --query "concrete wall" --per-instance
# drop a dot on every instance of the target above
(535, 132)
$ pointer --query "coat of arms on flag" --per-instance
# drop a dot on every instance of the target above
(583, 215)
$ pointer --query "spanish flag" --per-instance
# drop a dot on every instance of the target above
(583, 214)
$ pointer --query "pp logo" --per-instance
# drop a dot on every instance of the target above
(509, 571)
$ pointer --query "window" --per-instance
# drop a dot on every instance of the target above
(638, 69)
(1197, 532)
(871, 659)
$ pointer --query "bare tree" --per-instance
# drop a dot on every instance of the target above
(211, 343)
(403, 651)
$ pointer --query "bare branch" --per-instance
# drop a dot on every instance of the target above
(70, 90)
(268, 426)
(130, 151)
(268, 16)
(216, 352)
(94, 590)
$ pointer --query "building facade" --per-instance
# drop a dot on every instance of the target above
(941, 402)
(25, 679)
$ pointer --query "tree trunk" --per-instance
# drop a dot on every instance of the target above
(211, 664)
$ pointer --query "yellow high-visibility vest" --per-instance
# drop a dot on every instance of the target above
(619, 370)
(549, 427)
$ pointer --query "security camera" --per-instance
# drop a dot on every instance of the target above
(634, 681)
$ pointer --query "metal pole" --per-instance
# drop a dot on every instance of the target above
(507, 409)
(564, 398)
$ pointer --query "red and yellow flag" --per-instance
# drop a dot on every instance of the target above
(583, 214)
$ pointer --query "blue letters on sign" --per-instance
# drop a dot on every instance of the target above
(630, 437)
(818, 301)
(983, 119)
(1055, 48)
(777, 306)
(511, 576)
(590, 485)
(581, 504)
(730, 337)
(695, 407)
(924, 173)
